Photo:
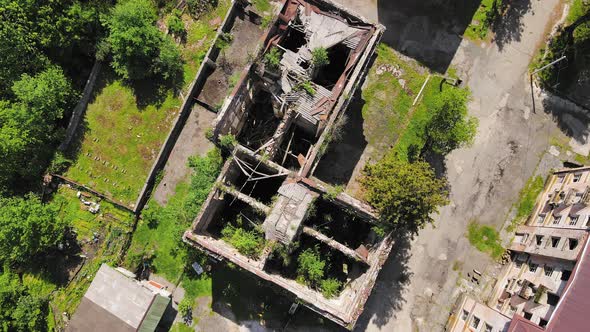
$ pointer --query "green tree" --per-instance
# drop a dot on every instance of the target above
(311, 266)
(27, 228)
(199, 7)
(10, 291)
(405, 194)
(450, 127)
(28, 126)
(168, 64)
(133, 37)
(30, 314)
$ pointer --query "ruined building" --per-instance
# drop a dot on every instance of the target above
(282, 112)
(544, 253)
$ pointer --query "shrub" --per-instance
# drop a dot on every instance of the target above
(272, 58)
(59, 164)
(319, 57)
(224, 40)
(198, 7)
(248, 243)
(185, 308)
(175, 24)
(330, 287)
(228, 141)
(311, 266)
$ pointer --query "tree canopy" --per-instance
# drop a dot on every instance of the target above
(139, 49)
(404, 193)
(27, 228)
(29, 124)
(450, 127)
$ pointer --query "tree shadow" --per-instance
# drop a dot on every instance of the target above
(572, 121)
(387, 297)
(347, 146)
(429, 31)
(508, 25)
(154, 89)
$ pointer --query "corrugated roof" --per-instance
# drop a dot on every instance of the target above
(153, 316)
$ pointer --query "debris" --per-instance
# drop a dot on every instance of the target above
(197, 268)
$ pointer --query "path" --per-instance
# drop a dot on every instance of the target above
(191, 142)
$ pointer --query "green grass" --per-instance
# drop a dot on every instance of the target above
(262, 5)
(483, 15)
(390, 119)
(160, 241)
(199, 38)
(578, 9)
(126, 139)
(528, 197)
(485, 239)
(114, 227)
(181, 327)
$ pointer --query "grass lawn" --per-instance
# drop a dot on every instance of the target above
(122, 139)
(113, 227)
(480, 24)
(390, 119)
(485, 239)
(158, 237)
(199, 34)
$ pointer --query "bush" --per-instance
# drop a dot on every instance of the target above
(228, 141)
(59, 164)
(185, 309)
(198, 7)
(175, 24)
(311, 266)
(248, 243)
(272, 58)
(319, 57)
(330, 287)
(224, 40)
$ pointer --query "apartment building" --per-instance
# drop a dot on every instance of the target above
(544, 252)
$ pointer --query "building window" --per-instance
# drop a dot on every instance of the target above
(588, 221)
(512, 310)
(464, 314)
(475, 322)
(555, 241)
(548, 270)
(528, 315)
(577, 177)
(556, 220)
(539, 239)
(572, 243)
(487, 328)
(540, 218)
(573, 220)
(560, 178)
(518, 264)
(520, 237)
(552, 299)
(565, 275)
(533, 267)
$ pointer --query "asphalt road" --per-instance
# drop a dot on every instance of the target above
(416, 288)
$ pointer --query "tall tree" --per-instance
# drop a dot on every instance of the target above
(134, 39)
(405, 194)
(27, 228)
(450, 127)
(28, 126)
